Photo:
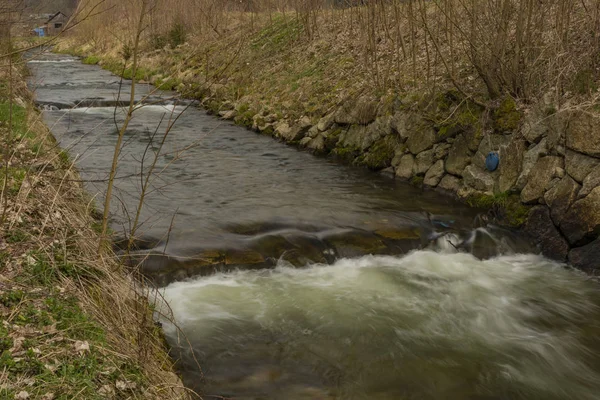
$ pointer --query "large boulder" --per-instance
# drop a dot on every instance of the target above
(406, 167)
(529, 160)
(586, 257)
(381, 153)
(361, 112)
(422, 138)
(581, 224)
(560, 197)
(424, 160)
(540, 227)
(326, 122)
(450, 183)
(591, 181)
(511, 163)
(317, 144)
(441, 150)
(542, 173)
(579, 165)
(375, 131)
(353, 138)
(434, 174)
(583, 133)
(291, 133)
(534, 128)
(478, 179)
(403, 123)
(459, 156)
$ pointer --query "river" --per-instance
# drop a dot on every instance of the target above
(290, 276)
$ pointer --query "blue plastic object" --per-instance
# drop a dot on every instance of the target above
(491, 161)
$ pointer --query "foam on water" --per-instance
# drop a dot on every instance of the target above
(57, 61)
(427, 325)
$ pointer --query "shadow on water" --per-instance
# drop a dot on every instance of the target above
(297, 278)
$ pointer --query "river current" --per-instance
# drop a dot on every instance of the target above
(290, 276)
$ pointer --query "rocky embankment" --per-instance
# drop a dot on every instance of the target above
(548, 178)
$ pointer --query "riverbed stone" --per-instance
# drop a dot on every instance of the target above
(326, 122)
(355, 243)
(591, 181)
(381, 153)
(441, 150)
(424, 160)
(434, 174)
(227, 114)
(405, 169)
(421, 139)
(560, 197)
(511, 164)
(542, 173)
(459, 156)
(581, 224)
(290, 134)
(361, 112)
(579, 165)
(529, 160)
(586, 257)
(353, 137)
(375, 131)
(402, 122)
(534, 128)
(312, 132)
(540, 227)
(478, 179)
(450, 183)
(583, 133)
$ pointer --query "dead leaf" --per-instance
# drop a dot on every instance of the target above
(48, 396)
(82, 347)
(22, 395)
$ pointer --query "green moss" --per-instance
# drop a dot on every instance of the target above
(347, 154)
(417, 181)
(380, 155)
(507, 118)
(19, 118)
(451, 114)
(508, 207)
(91, 60)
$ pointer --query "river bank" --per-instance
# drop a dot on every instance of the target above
(73, 323)
(319, 94)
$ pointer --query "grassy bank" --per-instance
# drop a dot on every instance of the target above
(73, 324)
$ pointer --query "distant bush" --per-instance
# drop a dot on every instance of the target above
(158, 42)
(177, 35)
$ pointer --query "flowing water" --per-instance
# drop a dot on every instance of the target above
(293, 277)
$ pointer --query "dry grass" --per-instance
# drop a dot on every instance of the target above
(73, 324)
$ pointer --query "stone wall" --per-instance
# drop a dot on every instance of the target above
(548, 179)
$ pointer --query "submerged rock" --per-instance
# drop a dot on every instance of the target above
(586, 257)
(434, 174)
(581, 224)
(540, 227)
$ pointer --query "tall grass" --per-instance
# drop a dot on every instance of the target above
(485, 48)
